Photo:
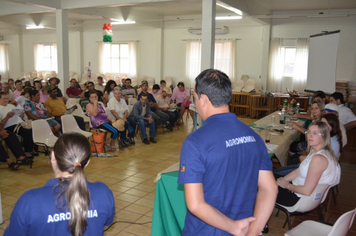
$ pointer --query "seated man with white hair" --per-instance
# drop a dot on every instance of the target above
(163, 104)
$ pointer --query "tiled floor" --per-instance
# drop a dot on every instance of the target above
(130, 174)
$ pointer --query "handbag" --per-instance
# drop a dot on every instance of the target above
(97, 142)
(25, 124)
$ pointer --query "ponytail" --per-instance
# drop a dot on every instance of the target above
(72, 152)
(77, 199)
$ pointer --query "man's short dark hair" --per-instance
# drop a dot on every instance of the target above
(162, 81)
(319, 94)
(73, 79)
(37, 82)
(337, 96)
(18, 81)
(128, 79)
(90, 83)
(100, 77)
(10, 80)
(144, 95)
(2, 93)
(216, 85)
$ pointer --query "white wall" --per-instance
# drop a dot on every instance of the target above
(304, 27)
(13, 42)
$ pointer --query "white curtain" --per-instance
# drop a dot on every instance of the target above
(4, 61)
(276, 66)
(301, 65)
(45, 62)
(133, 59)
(193, 62)
(224, 59)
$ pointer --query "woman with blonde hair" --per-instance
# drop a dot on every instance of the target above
(67, 204)
(319, 167)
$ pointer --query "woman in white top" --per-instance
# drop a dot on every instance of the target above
(319, 167)
(109, 91)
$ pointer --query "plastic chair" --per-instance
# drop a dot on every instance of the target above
(168, 80)
(249, 85)
(42, 135)
(72, 101)
(132, 101)
(244, 78)
(309, 227)
(134, 82)
(79, 112)
(70, 125)
(305, 203)
(239, 85)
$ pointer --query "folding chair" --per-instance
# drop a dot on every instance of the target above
(42, 135)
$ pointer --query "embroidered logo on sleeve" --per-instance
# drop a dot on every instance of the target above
(182, 168)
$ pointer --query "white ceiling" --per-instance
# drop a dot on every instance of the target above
(90, 14)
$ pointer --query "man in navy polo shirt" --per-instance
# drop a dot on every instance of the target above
(224, 166)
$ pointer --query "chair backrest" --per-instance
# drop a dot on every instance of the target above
(343, 224)
(249, 85)
(134, 82)
(258, 87)
(245, 78)
(130, 108)
(69, 124)
(79, 112)
(132, 101)
(308, 203)
(239, 85)
(72, 101)
(168, 80)
(83, 103)
(41, 132)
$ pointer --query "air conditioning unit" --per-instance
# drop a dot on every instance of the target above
(221, 30)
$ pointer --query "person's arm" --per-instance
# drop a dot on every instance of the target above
(6, 118)
(302, 116)
(92, 109)
(82, 95)
(297, 127)
(317, 166)
(114, 113)
(194, 196)
(105, 98)
(265, 201)
(31, 116)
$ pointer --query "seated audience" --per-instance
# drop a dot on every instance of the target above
(24, 97)
(74, 89)
(336, 145)
(54, 82)
(163, 85)
(18, 91)
(10, 121)
(128, 91)
(155, 90)
(181, 97)
(14, 145)
(163, 104)
(56, 107)
(99, 119)
(332, 108)
(319, 167)
(345, 114)
(6, 90)
(141, 114)
(42, 90)
(158, 116)
(67, 204)
(12, 84)
(90, 87)
(36, 110)
(108, 91)
(118, 110)
(100, 82)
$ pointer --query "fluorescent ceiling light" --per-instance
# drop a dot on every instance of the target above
(228, 17)
(34, 26)
(123, 22)
(230, 8)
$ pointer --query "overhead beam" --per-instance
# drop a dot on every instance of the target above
(56, 4)
(11, 8)
(74, 4)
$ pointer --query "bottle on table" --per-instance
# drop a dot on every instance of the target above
(298, 108)
(282, 120)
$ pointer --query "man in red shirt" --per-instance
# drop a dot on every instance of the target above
(74, 91)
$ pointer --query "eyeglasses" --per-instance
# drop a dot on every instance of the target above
(313, 133)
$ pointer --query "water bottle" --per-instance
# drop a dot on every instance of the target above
(298, 108)
(281, 121)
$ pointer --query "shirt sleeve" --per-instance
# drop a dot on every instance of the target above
(27, 107)
(266, 163)
(191, 168)
(18, 220)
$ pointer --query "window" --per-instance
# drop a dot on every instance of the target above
(289, 61)
(116, 57)
(224, 59)
(4, 69)
(46, 57)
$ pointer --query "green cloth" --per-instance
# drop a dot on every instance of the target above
(169, 206)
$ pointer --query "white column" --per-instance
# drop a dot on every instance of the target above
(62, 48)
(208, 34)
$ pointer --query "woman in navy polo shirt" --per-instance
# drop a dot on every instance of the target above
(67, 204)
